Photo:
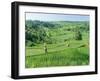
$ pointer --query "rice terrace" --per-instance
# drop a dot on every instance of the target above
(56, 40)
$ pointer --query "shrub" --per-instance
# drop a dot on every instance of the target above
(30, 44)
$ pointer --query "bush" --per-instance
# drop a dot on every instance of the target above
(78, 35)
(30, 44)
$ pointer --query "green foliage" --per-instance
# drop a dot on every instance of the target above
(67, 57)
(29, 44)
(39, 31)
(78, 35)
(63, 49)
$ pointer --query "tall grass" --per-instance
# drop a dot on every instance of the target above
(66, 57)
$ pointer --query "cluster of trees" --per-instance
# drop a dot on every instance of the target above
(37, 32)
(79, 29)
(78, 35)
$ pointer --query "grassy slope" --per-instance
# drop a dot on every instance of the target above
(59, 54)
(66, 57)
